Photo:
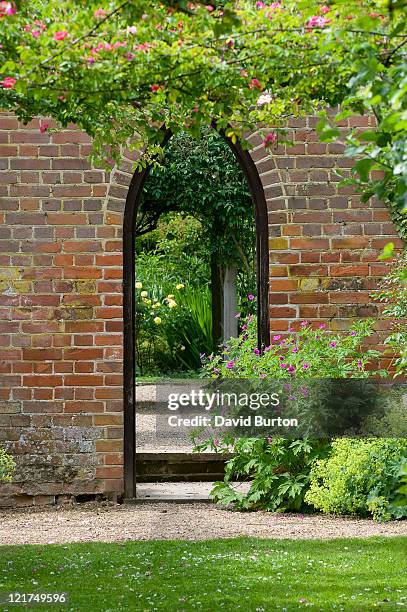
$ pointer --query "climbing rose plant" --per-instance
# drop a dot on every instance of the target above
(128, 67)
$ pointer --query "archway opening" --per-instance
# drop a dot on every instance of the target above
(209, 205)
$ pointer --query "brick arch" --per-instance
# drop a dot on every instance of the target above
(134, 190)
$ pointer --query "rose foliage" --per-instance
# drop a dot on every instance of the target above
(122, 68)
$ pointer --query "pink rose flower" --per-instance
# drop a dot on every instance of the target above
(270, 139)
(61, 35)
(7, 8)
(324, 9)
(317, 21)
(100, 13)
(154, 88)
(230, 365)
(255, 84)
(8, 83)
(265, 98)
(44, 125)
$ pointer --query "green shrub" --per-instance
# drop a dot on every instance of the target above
(7, 466)
(394, 295)
(172, 329)
(278, 470)
(359, 477)
(309, 353)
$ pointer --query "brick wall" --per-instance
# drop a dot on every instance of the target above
(61, 290)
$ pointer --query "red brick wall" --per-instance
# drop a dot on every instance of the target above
(61, 290)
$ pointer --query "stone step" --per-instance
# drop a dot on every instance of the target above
(176, 466)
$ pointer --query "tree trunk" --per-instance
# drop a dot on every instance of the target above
(217, 300)
(230, 323)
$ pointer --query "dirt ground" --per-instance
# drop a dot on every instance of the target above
(105, 522)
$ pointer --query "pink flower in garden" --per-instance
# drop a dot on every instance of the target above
(8, 83)
(100, 13)
(44, 125)
(325, 9)
(322, 326)
(36, 33)
(304, 324)
(256, 351)
(276, 338)
(61, 35)
(255, 84)
(250, 297)
(305, 366)
(154, 88)
(230, 365)
(91, 60)
(132, 30)
(119, 43)
(291, 369)
(7, 8)
(209, 8)
(265, 98)
(129, 56)
(260, 5)
(333, 344)
(267, 348)
(353, 333)
(216, 442)
(275, 5)
(270, 139)
(40, 24)
(244, 326)
(283, 365)
(317, 21)
(27, 28)
(237, 315)
(295, 350)
(269, 439)
(360, 364)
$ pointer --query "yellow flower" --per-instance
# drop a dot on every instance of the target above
(138, 285)
(182, 348)
(156, 305)
(171, 303)
(180, 286)
(144, 294)
(157, 320)
(170, 297)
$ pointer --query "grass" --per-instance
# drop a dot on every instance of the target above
(240, 574)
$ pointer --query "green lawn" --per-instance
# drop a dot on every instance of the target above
(239, 574)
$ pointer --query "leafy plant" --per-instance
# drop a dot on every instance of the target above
(393, 295)
(308, 353)
(361, 477)
(278, 471)
(7, 466)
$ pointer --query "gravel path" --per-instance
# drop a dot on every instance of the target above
(197, 521)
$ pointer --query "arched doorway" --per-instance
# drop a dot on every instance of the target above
(262, 255)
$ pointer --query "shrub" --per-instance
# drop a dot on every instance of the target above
(172, 329)
(7, 466)
(278, 470)
(308, 353)
(394, 295)
(360, 477)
